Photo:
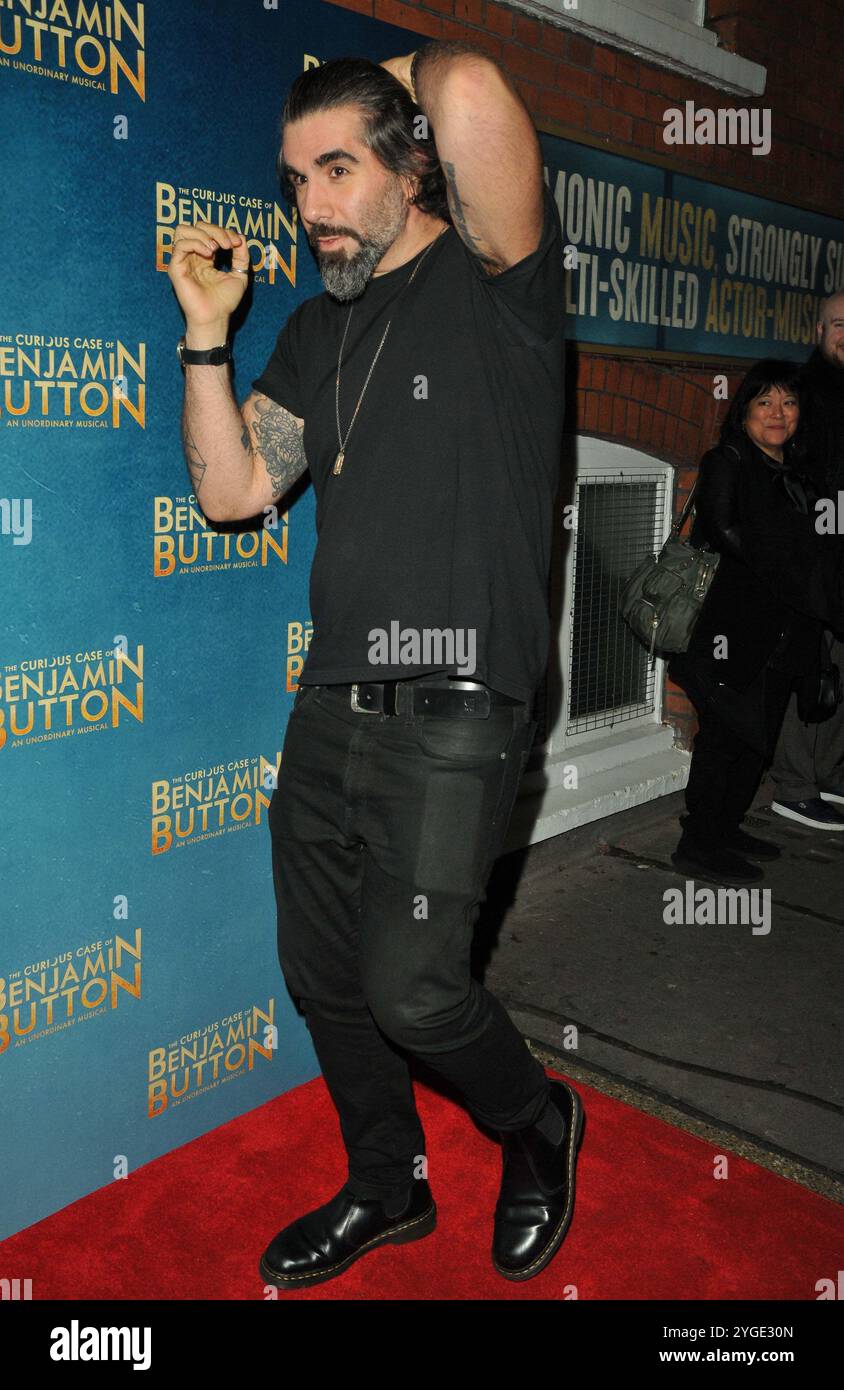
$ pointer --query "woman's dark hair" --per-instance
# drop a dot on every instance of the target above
(387, 128)
(770, 371)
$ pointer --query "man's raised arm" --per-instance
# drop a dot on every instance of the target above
(239, 460)
(487, 146)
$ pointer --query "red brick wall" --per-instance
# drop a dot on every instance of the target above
(582, 88)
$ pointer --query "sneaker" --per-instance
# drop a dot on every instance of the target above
(814, 812)
(834, 794)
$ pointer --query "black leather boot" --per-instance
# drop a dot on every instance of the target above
(324, 1242)
(536, 1200)
(737, 841)
(751, 847)
(713, 860)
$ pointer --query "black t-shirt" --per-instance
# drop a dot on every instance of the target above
(440, 519)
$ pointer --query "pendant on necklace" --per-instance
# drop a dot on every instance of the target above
(338, 462)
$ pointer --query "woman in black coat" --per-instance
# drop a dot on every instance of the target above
(778, 582)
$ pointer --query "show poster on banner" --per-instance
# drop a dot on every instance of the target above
(148, 658)
(669, 263)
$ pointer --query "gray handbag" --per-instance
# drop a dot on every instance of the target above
(662, 599)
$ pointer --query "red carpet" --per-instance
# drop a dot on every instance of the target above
(650, 1221)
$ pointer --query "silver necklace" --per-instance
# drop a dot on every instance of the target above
(338, 462)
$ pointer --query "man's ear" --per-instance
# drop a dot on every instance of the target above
(410, 187)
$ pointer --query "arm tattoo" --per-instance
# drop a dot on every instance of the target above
(195, 461)
(278, 440)
(458, 215)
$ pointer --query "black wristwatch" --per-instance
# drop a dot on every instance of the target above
(213, 357)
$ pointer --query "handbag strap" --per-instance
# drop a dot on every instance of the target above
(681, 520)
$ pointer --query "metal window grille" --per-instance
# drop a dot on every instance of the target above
(620, 520)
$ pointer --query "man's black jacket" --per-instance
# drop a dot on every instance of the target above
(825, 421)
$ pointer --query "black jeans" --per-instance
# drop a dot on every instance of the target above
(725, 770)
(384, 832)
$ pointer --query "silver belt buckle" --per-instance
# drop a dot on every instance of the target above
(361, 709)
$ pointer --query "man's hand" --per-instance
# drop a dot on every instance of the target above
(207, 296)
(400, 68)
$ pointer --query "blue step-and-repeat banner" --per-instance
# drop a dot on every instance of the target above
(148, 661)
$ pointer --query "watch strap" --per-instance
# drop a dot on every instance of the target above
(213, 357)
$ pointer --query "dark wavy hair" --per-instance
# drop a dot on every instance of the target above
(770, 371)
(388, 112)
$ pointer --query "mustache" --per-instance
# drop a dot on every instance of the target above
(317, 235)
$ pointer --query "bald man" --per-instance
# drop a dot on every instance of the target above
(808, 766)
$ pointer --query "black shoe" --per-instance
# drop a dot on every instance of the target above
(713, 861)
(536, 1200)
(324, 1242)
(749, 845)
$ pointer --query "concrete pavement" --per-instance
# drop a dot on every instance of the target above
(730, 1029)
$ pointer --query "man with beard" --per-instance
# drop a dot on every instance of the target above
(808, 766)
(424, 392)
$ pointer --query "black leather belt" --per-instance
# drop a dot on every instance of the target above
(468, 699)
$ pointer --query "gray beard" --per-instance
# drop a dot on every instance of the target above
(347, 277)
